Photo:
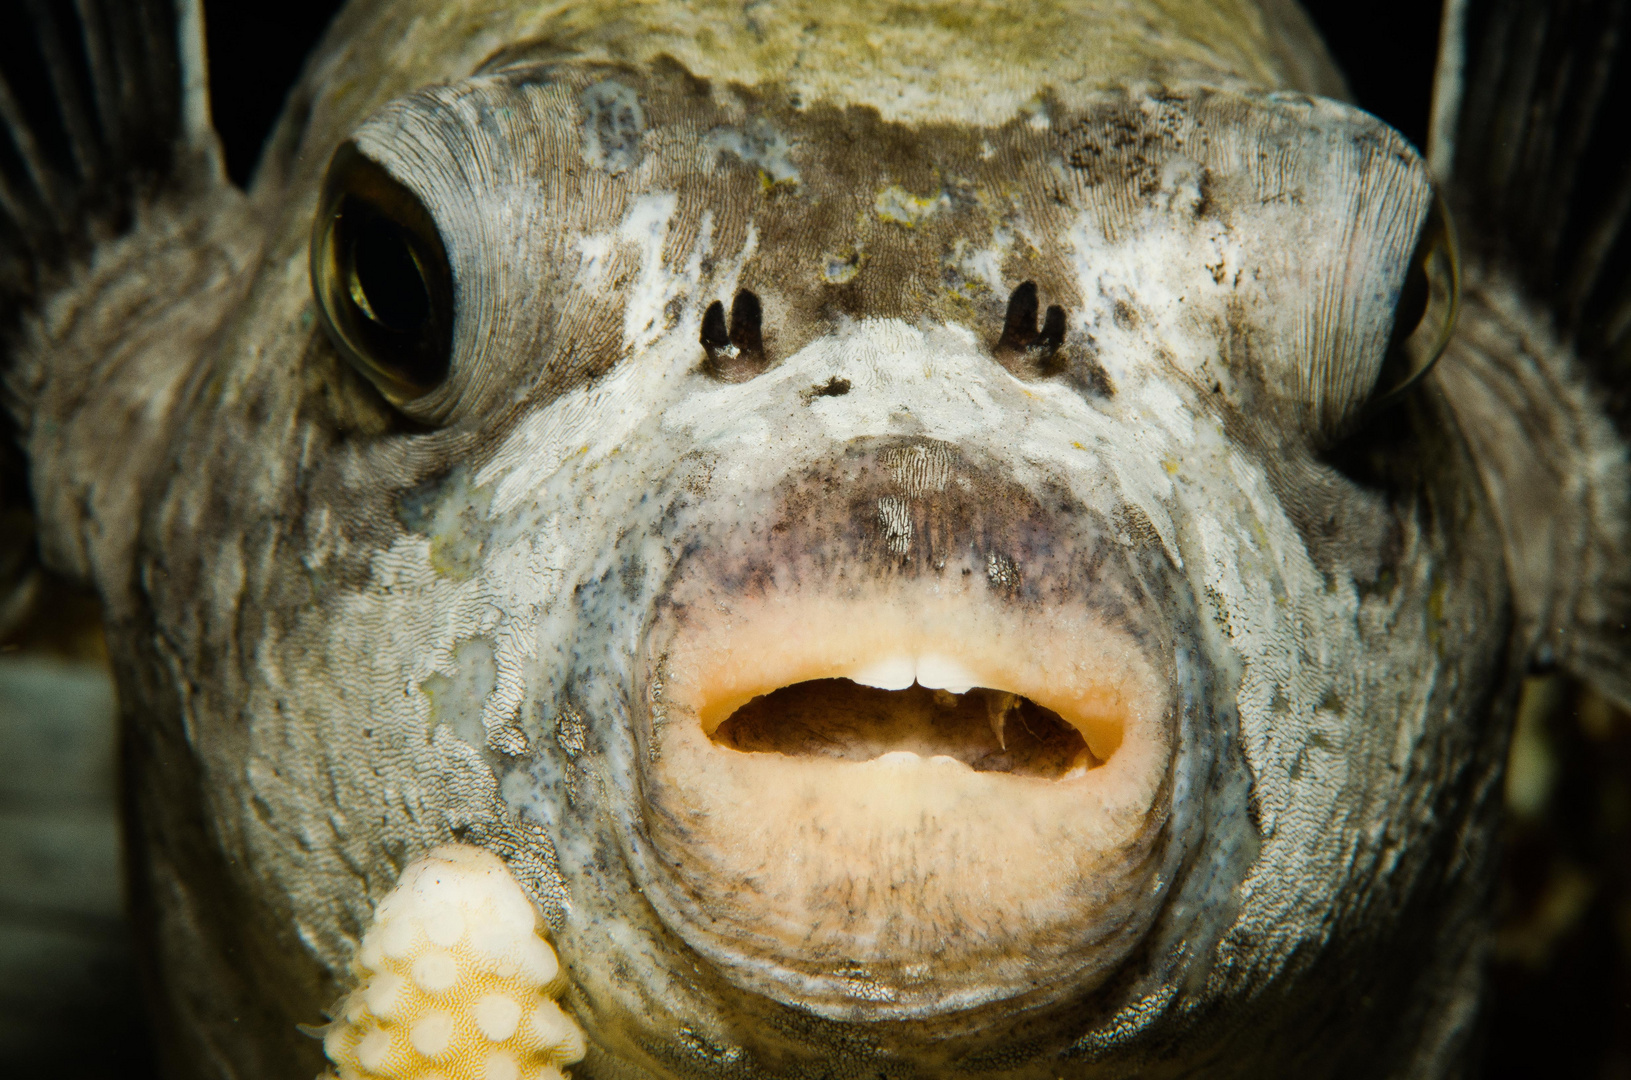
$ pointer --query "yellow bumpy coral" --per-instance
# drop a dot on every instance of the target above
(454, 982)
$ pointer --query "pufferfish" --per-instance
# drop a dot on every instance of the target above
(815, 539)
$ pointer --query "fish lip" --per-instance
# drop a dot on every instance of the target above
(870, 641)
(835, 550)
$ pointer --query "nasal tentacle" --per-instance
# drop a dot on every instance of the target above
(1024, 349)
(735, 351)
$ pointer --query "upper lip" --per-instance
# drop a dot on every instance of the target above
(951, 642)
(748, 856)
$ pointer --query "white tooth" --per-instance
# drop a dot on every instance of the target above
(940, 673)
(895, 673)
(898, 758)
(998, 704)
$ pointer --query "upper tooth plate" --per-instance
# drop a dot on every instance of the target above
(895, 673)
(940, 673)
(932, 671)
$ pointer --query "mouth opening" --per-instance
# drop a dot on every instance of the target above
(985, 729)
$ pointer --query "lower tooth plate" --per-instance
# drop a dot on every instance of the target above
(454, 979)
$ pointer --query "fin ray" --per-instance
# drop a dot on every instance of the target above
(117, 112)
(36, 171)
(1541, 176)
(1539, 180)
(78, 121)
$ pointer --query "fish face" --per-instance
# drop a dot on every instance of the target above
(964, 652)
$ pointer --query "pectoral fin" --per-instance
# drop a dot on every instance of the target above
(1527, 116)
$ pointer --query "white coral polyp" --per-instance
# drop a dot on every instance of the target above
(454, 982)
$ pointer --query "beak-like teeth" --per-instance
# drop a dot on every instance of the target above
(895, 673)
(940, 673)
(931, 671)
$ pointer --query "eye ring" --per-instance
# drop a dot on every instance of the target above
(1432, 286)
(381, 278)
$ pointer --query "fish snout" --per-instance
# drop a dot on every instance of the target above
(910, 740)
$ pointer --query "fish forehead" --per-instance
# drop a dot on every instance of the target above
(952, 61)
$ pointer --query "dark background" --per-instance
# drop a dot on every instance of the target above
(1562, 959)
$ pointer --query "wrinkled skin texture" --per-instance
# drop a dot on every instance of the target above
(346, 635)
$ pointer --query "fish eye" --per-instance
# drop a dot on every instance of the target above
(381, 277)
(1425, 316)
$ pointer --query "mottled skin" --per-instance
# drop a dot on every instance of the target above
(346, 634)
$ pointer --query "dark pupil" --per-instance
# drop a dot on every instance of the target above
(384, 271)
(1412, 301)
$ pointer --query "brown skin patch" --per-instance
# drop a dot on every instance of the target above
(829, 520)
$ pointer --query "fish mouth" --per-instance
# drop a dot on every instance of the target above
(905, 781)
(984, 729)
(869, 680)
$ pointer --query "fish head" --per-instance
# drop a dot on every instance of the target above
(885, 586)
